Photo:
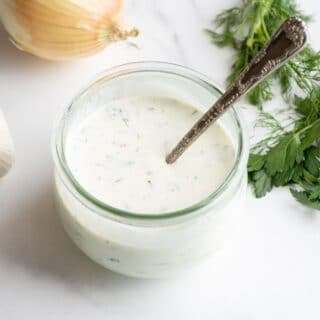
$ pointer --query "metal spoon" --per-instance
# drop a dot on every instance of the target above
(287, 41)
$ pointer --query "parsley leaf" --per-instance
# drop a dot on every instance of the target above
(312, 161)
(303, 198)
(261, 183)
(256, 162)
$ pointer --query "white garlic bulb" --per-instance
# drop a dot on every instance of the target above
(64, 29)
(7, 154)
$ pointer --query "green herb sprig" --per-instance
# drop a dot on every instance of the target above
(290, 152)
(247, 28)
(291, 157)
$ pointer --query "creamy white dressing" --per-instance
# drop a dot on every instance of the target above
(117, 154)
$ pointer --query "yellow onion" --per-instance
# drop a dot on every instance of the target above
(63, 29)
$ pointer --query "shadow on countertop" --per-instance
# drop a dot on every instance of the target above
(32, 239)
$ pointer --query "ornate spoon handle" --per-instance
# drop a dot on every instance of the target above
(288, 40)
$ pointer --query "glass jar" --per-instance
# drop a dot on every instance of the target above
(143, 245)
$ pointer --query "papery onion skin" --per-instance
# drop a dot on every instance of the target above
(63, 29)
(7, 152)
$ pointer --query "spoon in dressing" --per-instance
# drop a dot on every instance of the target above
(286, 42)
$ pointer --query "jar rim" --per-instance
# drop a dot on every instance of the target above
(104, 209)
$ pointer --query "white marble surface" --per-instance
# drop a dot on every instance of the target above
(271, 272)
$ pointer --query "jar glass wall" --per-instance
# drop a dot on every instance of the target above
(140, 244)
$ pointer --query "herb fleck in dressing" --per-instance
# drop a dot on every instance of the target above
(118, 155)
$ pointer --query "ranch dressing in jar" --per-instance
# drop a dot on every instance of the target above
(118, 155)
(119, 200)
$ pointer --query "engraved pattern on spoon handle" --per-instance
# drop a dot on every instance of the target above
(287, 41)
